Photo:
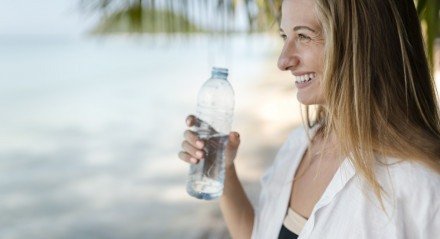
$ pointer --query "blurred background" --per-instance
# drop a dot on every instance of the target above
(93, 100)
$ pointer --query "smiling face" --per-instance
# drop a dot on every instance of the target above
(303, 51)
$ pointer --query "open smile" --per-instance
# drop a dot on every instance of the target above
(304, 80)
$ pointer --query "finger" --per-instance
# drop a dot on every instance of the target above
(234, 140)
(193, 139)
(192, 151)
(191, 120)
(187, 158)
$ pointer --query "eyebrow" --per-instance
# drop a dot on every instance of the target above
(299, 28)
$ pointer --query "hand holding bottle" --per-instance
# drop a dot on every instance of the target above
(193, 148)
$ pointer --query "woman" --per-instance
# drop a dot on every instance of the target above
(368, 164)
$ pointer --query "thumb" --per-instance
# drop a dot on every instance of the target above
(232, 147)
(234, 140)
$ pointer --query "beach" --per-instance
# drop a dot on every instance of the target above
(91, 125)
(91, 129)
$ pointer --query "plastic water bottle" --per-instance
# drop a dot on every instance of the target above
(215, 108)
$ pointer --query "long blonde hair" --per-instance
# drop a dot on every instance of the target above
(379, 93)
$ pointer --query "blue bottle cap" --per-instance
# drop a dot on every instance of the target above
(219, 72)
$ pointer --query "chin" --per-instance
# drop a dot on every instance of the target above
(309, 99)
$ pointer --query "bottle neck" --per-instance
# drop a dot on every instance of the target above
(219, 77)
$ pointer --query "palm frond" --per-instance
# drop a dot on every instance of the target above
(188, 16)
(429, 13)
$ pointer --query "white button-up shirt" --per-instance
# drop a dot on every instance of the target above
(348, 208)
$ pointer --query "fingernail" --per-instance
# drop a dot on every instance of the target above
(188, 122)
(237, 135)
(199, 144)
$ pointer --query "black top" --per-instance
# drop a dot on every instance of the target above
(286, 234)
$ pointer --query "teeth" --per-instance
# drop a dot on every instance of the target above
(305, 77)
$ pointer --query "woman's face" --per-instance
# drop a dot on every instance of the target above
(303, 51)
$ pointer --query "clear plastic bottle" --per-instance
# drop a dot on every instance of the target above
(215, 108)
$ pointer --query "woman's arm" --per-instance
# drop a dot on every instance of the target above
(236, 207)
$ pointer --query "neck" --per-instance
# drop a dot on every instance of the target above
(325, 144)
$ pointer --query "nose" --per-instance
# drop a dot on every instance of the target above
(288, 57)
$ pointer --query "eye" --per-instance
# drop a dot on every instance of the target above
(303, 37)
(283, 36)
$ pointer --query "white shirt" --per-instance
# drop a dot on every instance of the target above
(348, 208)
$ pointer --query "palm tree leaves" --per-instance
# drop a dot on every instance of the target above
(429, 13)
(141, 16)
(214, 16)
(180, 16)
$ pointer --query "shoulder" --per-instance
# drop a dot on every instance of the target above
(414, 186)
(301, 134)
(296, 140)
(415, 190)
(412, 177)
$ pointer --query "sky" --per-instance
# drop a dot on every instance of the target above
(42, 17)
(56, 17)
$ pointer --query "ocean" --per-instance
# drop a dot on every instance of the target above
(90, 128)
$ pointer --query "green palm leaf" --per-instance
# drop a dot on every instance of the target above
(172, 16)
(429, 13)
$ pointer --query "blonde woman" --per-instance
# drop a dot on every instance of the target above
(368, 164)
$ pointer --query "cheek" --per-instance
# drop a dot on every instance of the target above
(320, 59)
(314, 59)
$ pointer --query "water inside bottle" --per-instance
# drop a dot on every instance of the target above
(206, 178)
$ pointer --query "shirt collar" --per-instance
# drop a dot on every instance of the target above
(344, 173)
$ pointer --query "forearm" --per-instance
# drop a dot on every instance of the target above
(236, 207)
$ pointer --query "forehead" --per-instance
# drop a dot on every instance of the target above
(298, 12)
